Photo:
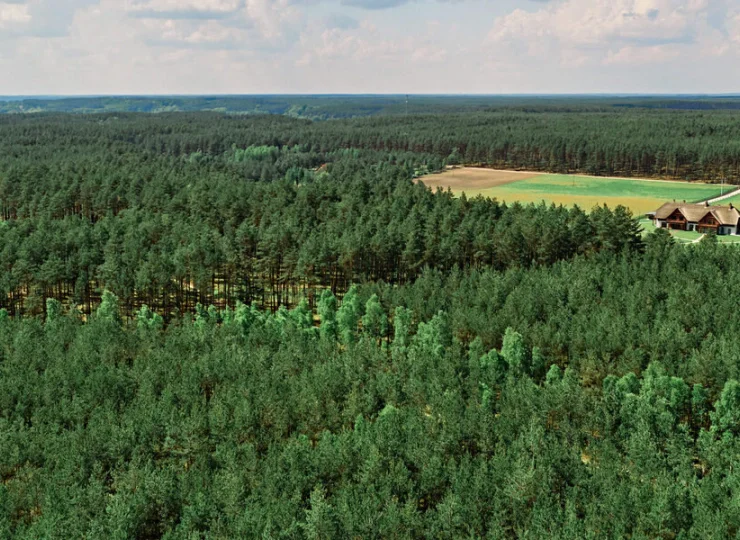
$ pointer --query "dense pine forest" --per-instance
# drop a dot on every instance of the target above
(262, 326)
(174, 210)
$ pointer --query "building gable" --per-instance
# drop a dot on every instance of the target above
(701, 217)
(676, 215)
(709, 219)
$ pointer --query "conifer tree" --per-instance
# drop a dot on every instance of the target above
(108, 309)
(348, 316)
(375, 321)
(327, 310)
(301, 315)
(147, 319)
(726, 415)
(53, 310)
(401, 327)
(514, 352)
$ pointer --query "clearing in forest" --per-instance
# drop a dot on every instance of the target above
(639, 195)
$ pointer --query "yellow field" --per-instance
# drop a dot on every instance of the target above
(638, 205)
(639, 195)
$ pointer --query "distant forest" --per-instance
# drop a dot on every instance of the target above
(322, 107)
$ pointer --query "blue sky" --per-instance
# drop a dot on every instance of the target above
(369, 46)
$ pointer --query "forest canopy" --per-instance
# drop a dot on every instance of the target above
(242, 326)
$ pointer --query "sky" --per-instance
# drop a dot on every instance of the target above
(86, 47)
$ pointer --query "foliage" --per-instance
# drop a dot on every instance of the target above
(255, 430)
(235, 327)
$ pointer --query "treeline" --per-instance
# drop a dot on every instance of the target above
(375, 422)
(347, 106)
(288, 242)
(690, 145)
(677, 145)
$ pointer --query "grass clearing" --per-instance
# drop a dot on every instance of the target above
(687, 237)
(729, 239)
(639, 195)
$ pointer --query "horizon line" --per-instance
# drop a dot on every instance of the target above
(391, 94)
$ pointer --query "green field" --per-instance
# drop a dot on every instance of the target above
(732, 200)
(639, 195)
(687, 237)
(682, 237)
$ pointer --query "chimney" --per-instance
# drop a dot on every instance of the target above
(706, 204)
(731, 207)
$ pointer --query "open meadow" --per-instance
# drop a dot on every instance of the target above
(639, 195)
(734, 200)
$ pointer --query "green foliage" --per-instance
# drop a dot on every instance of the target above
(258, 153)
(202, 208)
(146, 319)
(554, 375)
(348, 316)
(454, 158)
(726, 415)
(434, 336)
(319, 521)
(143, 413)
(108, 309)
(699, 405)
(659, 241)
(515, 353)
(401, 327)
(375, 321)
(493, 367)
(301, 315)
(201, 433)
(327, 309)
(244, 316)
(54, 310)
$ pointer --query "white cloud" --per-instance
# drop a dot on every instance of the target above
(184, 8)
(589, 23)
(233, 46)
(733, 27)
(38, 18)
(11, 14)
(629, 32)
(367, 44)
(248, 25)
(634, 56)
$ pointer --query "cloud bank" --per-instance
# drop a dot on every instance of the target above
(468, 46)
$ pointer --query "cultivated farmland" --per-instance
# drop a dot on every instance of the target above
(639, 195)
